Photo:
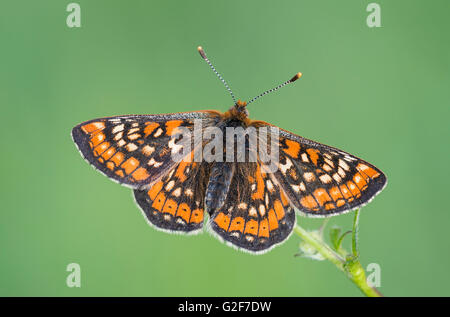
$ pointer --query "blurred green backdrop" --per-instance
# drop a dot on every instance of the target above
(379, 93)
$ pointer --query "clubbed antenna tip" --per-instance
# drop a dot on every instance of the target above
(202, 52)
(297, 76)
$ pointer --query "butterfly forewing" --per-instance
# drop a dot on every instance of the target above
(134, 150)
(321, 180)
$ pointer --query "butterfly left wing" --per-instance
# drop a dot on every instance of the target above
(134, 150)
(176, 202)
(256, 214)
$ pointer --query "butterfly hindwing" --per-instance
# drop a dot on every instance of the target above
(256, 214)
(321, 180)
(133, 150)
(176, 202)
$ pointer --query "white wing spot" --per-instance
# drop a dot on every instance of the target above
(242, 206)
(327, 168)
(117, 129)
(170, 185)
(171, 173)
(175, 147)
(131, 131)
(341, 172)
(262, 210)
(134, 136)
(325, 178)
(131, 147)
(296, 188)
(349, 158)
(269, 185)
(329, 162)
(121, 143)
(309, 177)
(362, 167)
(158, 132)
(286, 166)
(305, 158)
(189, 192)
(302, 187)
(148, 150)
(337, 178)
(252, 212)
(154, 163)
(177, 192)
(118, 136)
(343, 165)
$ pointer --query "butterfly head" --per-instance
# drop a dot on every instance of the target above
(241, 107)
(238, 111)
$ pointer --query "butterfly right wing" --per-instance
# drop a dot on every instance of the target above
(321, 180)
(256, 214)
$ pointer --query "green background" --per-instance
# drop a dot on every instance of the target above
(379, 93)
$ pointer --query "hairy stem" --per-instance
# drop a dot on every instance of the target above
(347, 263)
(355, 234)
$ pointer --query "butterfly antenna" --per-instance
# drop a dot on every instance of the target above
(203, 55)
(297, 76)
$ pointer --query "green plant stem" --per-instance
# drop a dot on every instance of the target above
(355, 234)
(321, 247)
(350, 266)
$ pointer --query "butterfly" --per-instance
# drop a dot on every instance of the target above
(245, 203)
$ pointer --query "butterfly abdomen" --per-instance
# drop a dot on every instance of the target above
(218, 185)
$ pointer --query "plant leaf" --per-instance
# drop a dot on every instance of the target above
(342, 237)
(335, 232)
